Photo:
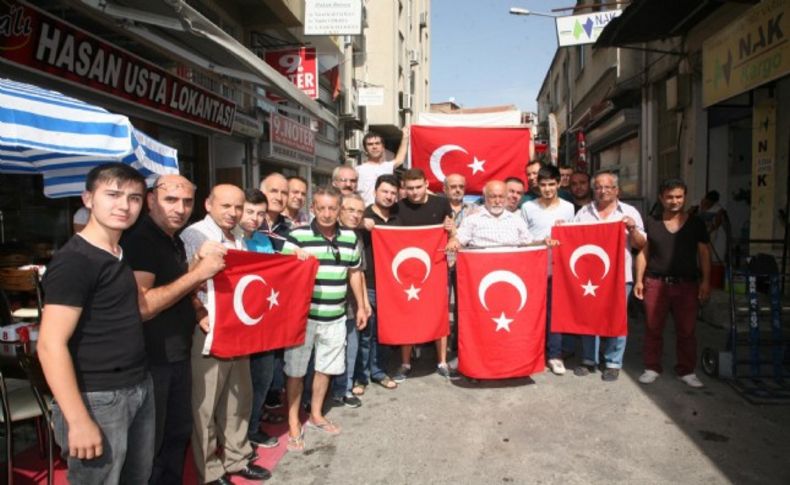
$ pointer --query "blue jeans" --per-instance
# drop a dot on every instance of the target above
(371, 356)
(342, 383)
(553, 340)
(126, 419)
(613, 347)
(262, 371)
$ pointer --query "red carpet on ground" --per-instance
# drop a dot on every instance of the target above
(31, 469)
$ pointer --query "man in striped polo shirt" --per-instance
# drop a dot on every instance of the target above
(340, 267)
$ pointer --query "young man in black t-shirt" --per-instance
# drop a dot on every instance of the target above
(91, 343)
(419, 208)
(673, 275)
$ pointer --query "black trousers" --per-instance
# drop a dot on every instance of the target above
(172, 398)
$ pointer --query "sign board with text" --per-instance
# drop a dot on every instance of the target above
(583, 29)
(333, 17)
(35, 40)
(290, 141)
(299, 65)
(761, 220)
(751, 51)
(371, 96)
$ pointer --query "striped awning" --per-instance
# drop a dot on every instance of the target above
(62, 138)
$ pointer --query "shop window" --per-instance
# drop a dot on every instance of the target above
(623, 159)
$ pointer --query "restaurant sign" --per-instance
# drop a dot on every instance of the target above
(290, 141)
(35, 40)
(750, 52)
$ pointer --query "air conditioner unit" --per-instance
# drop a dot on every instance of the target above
(350, 106)
(405, 101)
(424, 19)
(354, 141)
(414, 57)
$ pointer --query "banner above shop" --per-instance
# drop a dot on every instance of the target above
(299, 65)
(33, 39)
(583, 29)
(338, 17)
(749, 52)
(290, 141)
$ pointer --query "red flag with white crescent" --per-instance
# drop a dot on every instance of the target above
(588, 283)
(479, 154)
(501, 312)
(411, 284)
(259, 302)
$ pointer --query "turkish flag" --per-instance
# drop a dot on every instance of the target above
(479, 154)
(501, 312)
(411, 284)
(588, 283)
(259, 302)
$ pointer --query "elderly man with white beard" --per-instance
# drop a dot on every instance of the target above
(495, 226)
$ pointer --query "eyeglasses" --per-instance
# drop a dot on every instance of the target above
(352, 210)
(335, 251)
(604, 188)
(347, 181)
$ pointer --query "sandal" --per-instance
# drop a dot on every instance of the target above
(328, 427)
(358, 389)
(295, 443)
(387, 383)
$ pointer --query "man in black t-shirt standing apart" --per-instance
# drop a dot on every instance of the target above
(420, 208)
(668, 280)
(91, 343)
(165, 283)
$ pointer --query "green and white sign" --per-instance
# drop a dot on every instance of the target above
(583, 29)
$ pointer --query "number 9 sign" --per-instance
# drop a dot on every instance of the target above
(299, 66)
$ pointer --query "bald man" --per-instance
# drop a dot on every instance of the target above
(494, 226)
(275, 187)
(165, 283)
(221, 388)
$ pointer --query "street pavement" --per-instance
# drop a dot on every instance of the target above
(553, 429)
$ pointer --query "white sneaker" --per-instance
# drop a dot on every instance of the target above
(692, 380)
(557, 367)
(648, 376)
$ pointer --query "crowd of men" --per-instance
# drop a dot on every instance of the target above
(125, 320)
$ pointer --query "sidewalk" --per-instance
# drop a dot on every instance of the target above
(552, 429)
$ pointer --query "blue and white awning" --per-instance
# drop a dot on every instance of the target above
(44, 132)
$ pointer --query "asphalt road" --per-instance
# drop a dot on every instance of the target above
(552, 429)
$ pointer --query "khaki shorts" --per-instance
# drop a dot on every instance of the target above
(329, 341)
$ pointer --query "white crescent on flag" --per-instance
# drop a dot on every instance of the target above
(436, 159)
(238, 300)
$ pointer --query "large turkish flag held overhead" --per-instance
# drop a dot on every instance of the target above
(479, 154)
(411, 284)
(588, 283)
(259, 302)
(501, 312)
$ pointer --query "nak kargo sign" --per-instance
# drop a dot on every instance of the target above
(290, 140)
(33, 39)
(583, 29)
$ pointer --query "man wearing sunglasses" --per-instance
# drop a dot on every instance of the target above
(339, 260)
(345, 179)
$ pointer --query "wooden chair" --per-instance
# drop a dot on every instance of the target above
(23, 396)
(26, 282)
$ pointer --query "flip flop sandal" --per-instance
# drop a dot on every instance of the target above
(295, 443)
(387, 383)
(329, 427)
(358, 389)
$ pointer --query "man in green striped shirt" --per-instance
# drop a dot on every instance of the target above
(339, 268)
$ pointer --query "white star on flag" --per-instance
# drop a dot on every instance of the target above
(477, 166)
(502, 322)
(589, 288)
(273, 299)
(413, 293)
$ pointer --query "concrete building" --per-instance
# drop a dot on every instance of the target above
(394, 55)
(716, 92)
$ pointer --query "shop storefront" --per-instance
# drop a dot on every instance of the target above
(46, 51)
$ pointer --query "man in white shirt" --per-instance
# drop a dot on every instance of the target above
(606, 206)
(541, 214)
(376, 165)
